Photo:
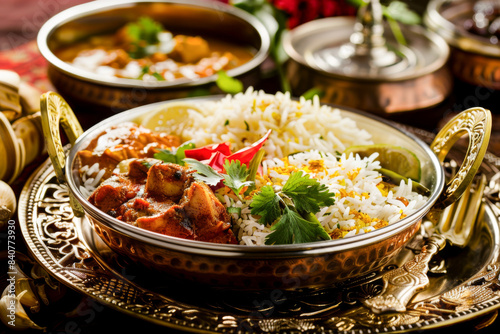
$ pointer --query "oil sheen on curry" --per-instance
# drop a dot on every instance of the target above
(145, 50)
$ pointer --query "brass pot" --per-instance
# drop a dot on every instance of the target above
(192, 17)
(474, 59)
(297, 266)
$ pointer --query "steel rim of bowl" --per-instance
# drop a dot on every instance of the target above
(90, 8)
(460, 39)
(310, 27)
(243, 251)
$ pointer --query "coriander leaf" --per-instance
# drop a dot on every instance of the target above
(204, 173)
(165, 156)
(266, 204)
(175, 156)
(237, 174)
(228, 84)
(180, 155)
(307, 193)
(293, 229)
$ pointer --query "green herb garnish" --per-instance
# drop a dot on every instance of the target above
(236, 177)
(237, 174)
(176, 156)
(295, 205)
(204, 173)
(142, 33)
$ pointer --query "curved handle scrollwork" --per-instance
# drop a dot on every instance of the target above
(55, 111)
(476, 122)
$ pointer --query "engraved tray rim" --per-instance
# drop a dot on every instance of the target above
(74, 276)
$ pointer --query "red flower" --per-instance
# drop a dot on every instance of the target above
(301, 11)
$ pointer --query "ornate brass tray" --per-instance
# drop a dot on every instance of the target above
(464, 282)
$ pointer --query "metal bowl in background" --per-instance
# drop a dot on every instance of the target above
(474, 59)
(418, 79)
(206, 18)
(296, 266)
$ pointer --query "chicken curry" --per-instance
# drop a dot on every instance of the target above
(149, 193)
(145, 50)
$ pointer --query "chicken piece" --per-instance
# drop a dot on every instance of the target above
(136, 168)
(141, 206)
(168, 181)
(211, 220)
(189, 50)
(113, 192)
(172, 222)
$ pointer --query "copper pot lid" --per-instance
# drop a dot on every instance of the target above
(472, 26)
(365, 49)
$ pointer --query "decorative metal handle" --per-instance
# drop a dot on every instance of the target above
(55, 111)
(401, 284)
(476, 122)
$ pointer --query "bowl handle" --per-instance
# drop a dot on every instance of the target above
(55, 111)
(476, 122)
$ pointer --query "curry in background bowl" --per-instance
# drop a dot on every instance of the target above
(117, 55)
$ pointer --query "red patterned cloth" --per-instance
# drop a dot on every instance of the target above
(27, 61)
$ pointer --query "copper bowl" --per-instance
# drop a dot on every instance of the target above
(307, 265)
(473, 58)
(208, 18)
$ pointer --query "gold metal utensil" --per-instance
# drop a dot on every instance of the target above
(456, 226)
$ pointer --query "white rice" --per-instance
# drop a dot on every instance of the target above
(296, 126)
(353, 180)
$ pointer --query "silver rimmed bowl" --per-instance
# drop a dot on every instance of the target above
(297, 266)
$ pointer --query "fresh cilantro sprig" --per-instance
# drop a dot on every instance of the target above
(175, 156)
(292, 228)
(307, 193)
(235, 178)
(237, 175)
(295, 205)
(204, 173)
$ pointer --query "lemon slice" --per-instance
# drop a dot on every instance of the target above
(395, 158)
(172, 118)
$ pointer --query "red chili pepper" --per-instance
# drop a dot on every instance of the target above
(215, 155)
(205, 152)
(246, 154)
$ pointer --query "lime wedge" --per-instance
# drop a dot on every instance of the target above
(172, 118)
(395, 158)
